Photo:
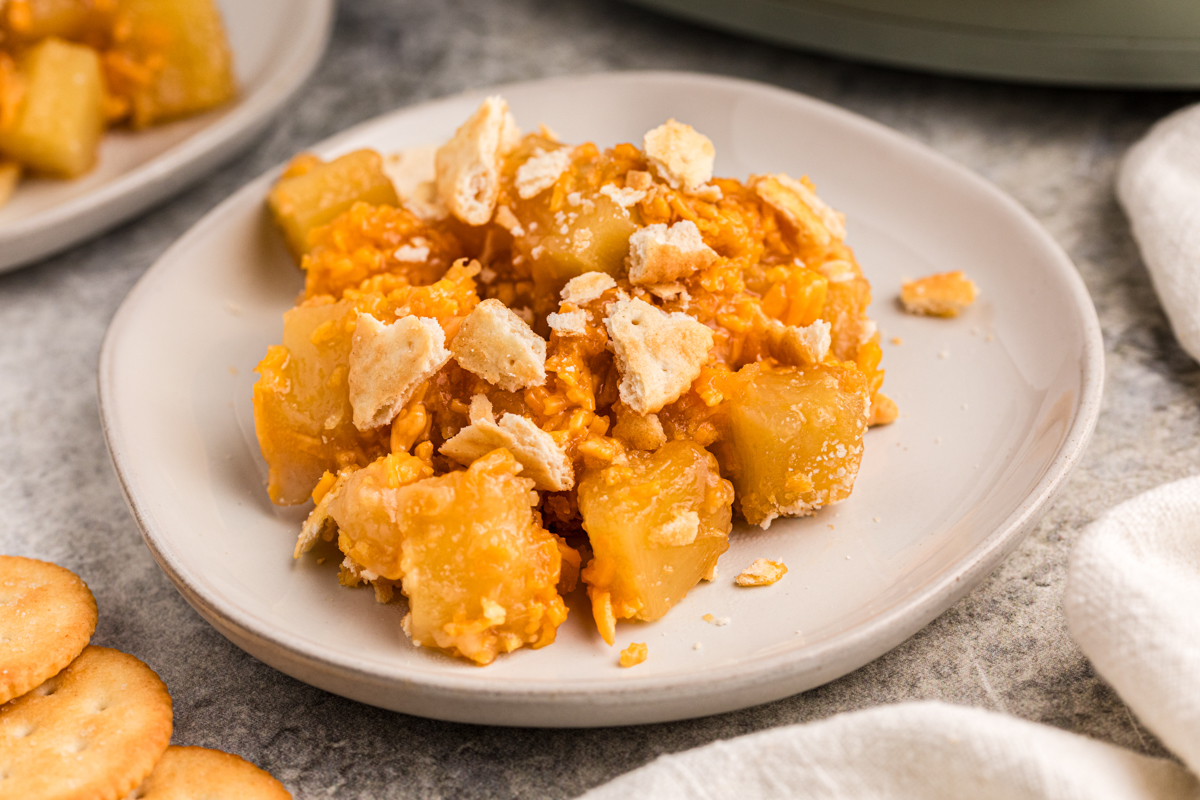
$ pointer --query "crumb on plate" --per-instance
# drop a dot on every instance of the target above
(635, 654)
(944, 295)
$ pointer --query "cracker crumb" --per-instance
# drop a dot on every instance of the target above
(946, 294)
(639, 431)
(658, 354)
(710, 193)
(658, 254)
(568, 323)
(762, 572)
(413, 174)
(838, 271)
(388, 363)
(682, 156)
(671, 291)
(468, 166)
(541, 458)
(896, 340)
(639, 180)
(800, 207)
(541, 171)
(884, 410)
(411, 253)
(623, 197)
(943, 354)
(587, 287)
(795, 345)
(679, 532)
(635, 654)
(506, 219)
(720, 622)
(697, 646)
(498, 345)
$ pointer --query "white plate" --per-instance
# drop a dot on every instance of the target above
(996, 408)
(276, 45)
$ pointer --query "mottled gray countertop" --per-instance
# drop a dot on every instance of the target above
(1004, 647)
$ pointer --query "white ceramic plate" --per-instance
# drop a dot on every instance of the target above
(276, 45)
(996, 408)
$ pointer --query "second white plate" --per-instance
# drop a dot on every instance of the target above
(996, 407)
(276, 45)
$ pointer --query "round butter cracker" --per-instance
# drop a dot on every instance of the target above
(47, 615)
(92, 732)
(197, 773)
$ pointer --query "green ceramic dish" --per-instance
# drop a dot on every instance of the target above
(1148, 44)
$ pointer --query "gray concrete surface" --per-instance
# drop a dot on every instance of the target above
(1004, 647)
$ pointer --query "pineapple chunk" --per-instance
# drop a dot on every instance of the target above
(58, 124)
(594, 241)
(657, 526)
(302, 412)
(480, 572)
(363, 509)
(303, 202)
(10, 176)
(183, 47)
(795, 437)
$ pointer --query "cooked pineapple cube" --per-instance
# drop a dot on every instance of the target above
(60, 119)
(479, 570)
(181, 46)
(795, 437)
(593, 238)
(323, 191)
(656, 526)
(363, 510)
(10, 176)
(302, 412)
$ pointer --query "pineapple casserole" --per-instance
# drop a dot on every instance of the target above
(521, 368)
(69, 69)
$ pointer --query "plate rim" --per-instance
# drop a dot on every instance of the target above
(891, 626)
(181, 164)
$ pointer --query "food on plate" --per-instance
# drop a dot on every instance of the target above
(520, 365)
(48, 615)
(70, 69)
(10, 176)
(763, 572)
(193, 772)
(946, 294)
(636, 653)
(96, 729)
(656, 522)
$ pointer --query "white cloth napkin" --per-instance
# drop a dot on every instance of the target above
(1159, 187)
(912, 751)
(1133, 605)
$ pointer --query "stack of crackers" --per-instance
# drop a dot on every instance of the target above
(78, 721)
